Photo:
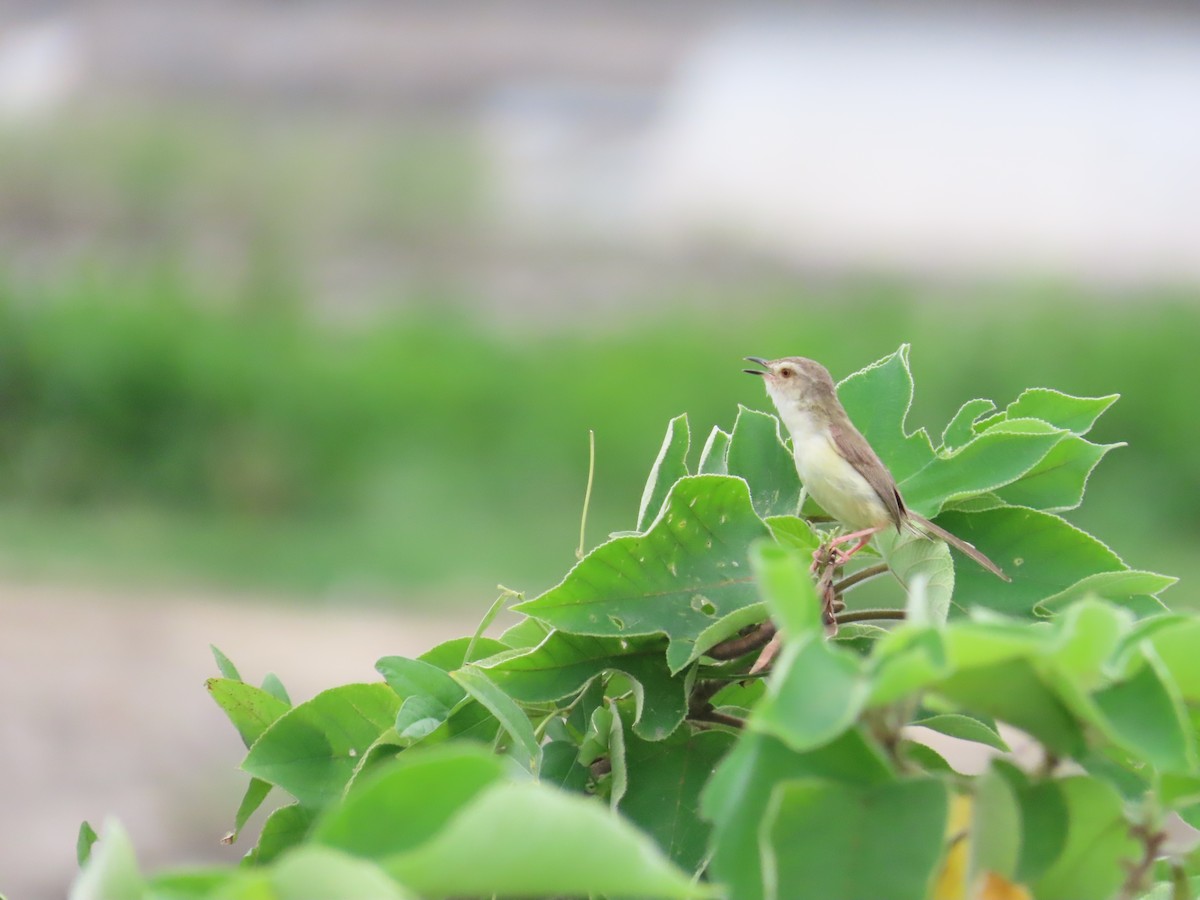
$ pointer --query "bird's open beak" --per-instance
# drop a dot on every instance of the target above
(757, 360)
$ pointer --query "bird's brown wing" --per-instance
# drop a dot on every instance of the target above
(854, 447)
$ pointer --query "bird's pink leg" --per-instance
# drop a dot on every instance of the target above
(841, 557)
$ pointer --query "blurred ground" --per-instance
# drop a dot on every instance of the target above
(105, 712)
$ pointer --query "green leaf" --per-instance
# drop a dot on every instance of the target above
(663, 794)
(528, 632)
(668, 468)
(506, 711)
(1119, 585)
(800, 714)
(1076, 414)
(405, 803)
(735, 799)
(1043, 553)
(757, 454)
(785, 583)
(677, 579)
(904, 661)
(878, 399)
(309, 872)
(224, 665)
(616, 756)
(252, 799)
(793, 532)
(1057, 482)
(1098, 844)
(250, 709)
(712, 457)
(925, 570)
(312, 750)
(430, 696)
(960, 429)
(563, 663)
(285, 828)
(967, 728)
(1043, 819)
(531, 840)
(992, 460)
(1146, 716)
(1175, 644)
(827, 841)
(1025, 701)
(995, 827)
(111, 871)
(561, 767)
(273, 686)
(84, 842)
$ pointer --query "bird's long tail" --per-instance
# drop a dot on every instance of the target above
(958, 543)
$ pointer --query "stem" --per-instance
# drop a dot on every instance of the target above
(1139, 871)
(702, 693)
(862, 575)
(743, 644)
(869, 615)
(719, 718)
(587, 494)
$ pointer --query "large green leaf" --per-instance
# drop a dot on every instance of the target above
(530, 840)
(563, 663)
(1098, 844)
(677, 579)
(823, 840)
(997, 457)
(877, 399)
(669, 467)
(1076, 414)
(757, 454)
(814, 694)
(712, 456)
(405, 803)
(1043, 553)
(309, 872)
(284, 828)
(429, 695)
(735, 799)
(312, 750)
(920, 565)
(1057, 482)
(663, 794)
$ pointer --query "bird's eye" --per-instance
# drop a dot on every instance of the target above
(785, 372)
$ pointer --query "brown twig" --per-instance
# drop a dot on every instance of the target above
(718, 718)
(702, 694)
(743, 644)
(1139, 872)
(869, 615)
(861, 575)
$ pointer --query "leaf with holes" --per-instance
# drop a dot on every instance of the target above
(686, 572)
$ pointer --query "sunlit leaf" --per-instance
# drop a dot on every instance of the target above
(1057, 482)
(250, 709)
(1076, 414)
(510, 716)
(960, 430)
(712, 457)
(822, 840)
(757, 454)
(529, 840)
(677, 579)
(312, 750)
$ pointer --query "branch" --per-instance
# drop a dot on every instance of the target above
(718, 718)
(869, 615)
(743, 644)
(862, 575)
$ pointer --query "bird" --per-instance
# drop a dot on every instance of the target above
(837, 465)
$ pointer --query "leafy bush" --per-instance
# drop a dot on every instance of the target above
(624, 737)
